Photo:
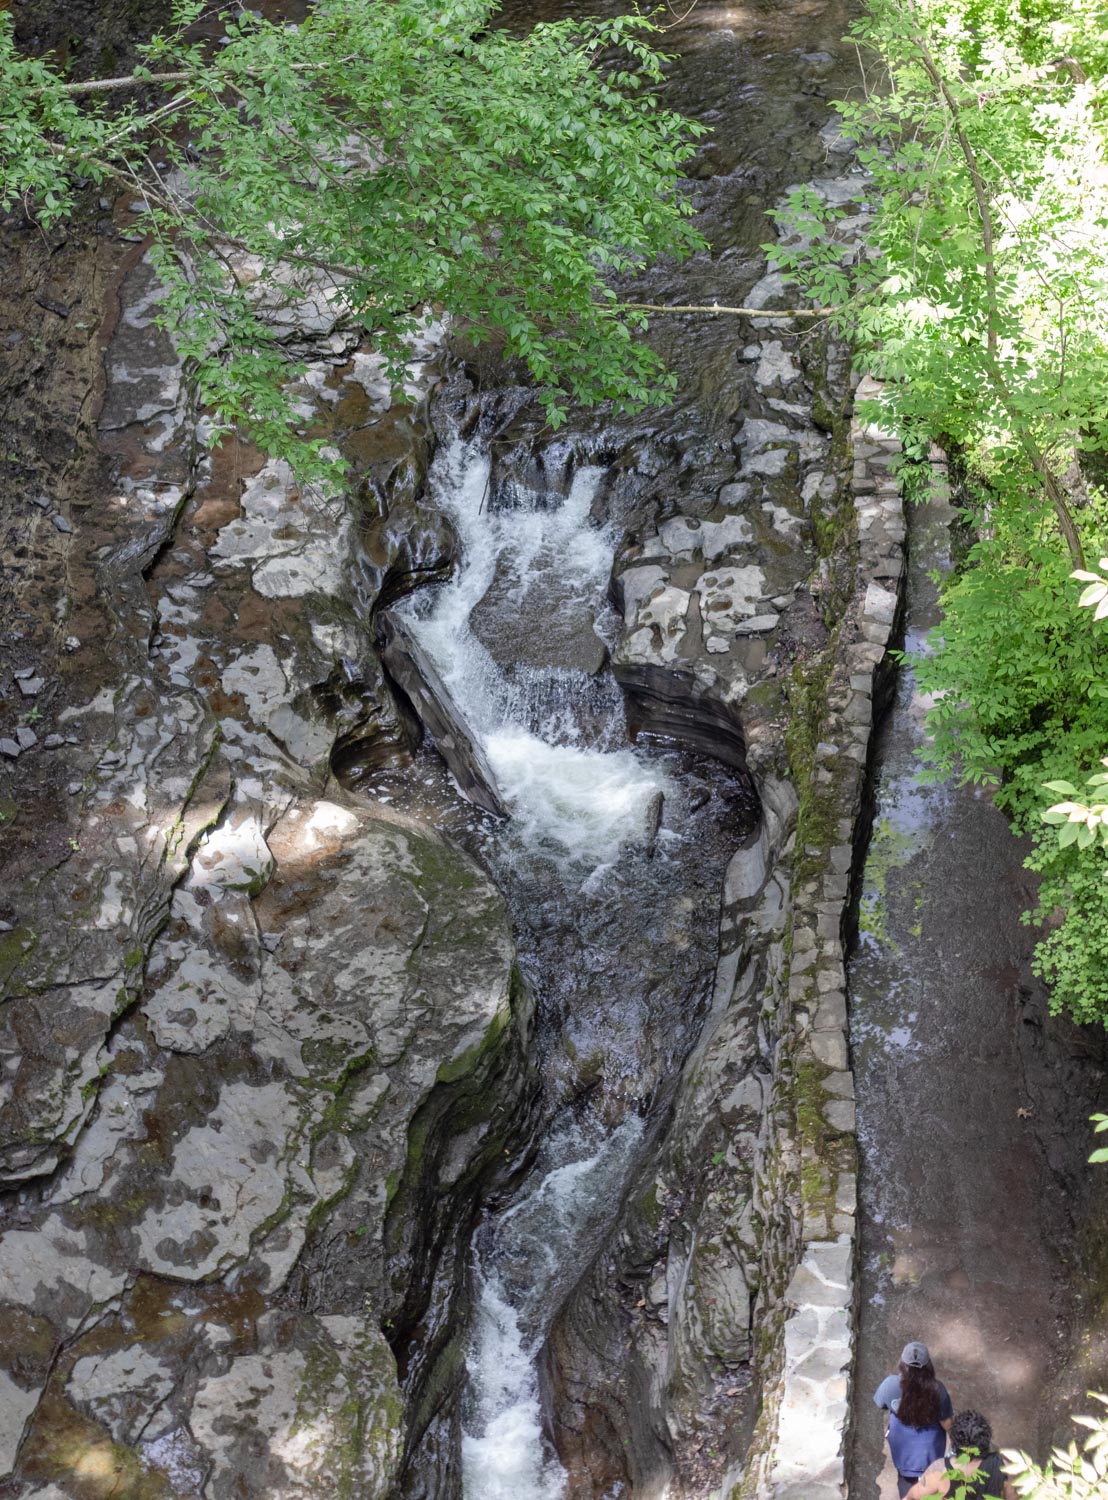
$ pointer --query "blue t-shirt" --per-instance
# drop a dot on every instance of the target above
(913, 1449)
(887, 1397)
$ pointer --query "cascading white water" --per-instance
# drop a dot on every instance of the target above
(543, 1238)
(504, 1455)
(576, 804)
(574, 801)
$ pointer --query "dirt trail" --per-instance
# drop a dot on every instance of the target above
(972, 1101)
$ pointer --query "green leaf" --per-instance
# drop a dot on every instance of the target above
(428, 156)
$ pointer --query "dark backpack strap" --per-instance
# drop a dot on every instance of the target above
(993, 1466)
(987, 1482)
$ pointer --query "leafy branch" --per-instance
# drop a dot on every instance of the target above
(980, 296)
(383, 158)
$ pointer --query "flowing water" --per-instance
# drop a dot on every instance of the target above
(579, 801)
(541, 1237)
(618, 937)
(613, 859)
(616, 916)
(616, 923)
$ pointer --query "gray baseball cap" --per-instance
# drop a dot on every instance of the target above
(915, 1354)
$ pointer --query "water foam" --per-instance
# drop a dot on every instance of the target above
(547, 1236)
(577, 795)
(577, 803)
(505, 1456)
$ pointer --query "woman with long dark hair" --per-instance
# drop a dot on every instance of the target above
(920, 1413)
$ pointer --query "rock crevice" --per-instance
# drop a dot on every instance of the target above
(265, 1047)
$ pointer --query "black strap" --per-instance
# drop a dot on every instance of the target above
(987, 1480)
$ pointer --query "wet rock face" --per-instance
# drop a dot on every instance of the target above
(718, 602)
(416, 675)
(650, 1361)
(262, 1047)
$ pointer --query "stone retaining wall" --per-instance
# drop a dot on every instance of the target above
(800, 1450)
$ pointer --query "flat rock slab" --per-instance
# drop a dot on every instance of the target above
(418, 678)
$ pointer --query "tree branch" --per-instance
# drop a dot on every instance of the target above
(714, 307)
(138, 81)
(1035, 455)
(106, 85)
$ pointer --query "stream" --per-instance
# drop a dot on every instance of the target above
(616, 912)
(617, 924)
(611, 863)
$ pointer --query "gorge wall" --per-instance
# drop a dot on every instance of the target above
(289, 1025)
(228, 1178)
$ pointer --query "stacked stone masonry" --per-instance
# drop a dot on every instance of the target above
(805, 1458)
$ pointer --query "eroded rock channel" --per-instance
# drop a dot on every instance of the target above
(406, 1090)
(283, 1137)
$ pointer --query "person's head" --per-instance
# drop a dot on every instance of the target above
(914, 1360)
(914, 1355)
(970, 1433)
(919, 1402)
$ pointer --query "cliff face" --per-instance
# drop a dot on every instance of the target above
(264, 1046)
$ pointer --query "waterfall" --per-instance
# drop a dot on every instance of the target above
(539, 1247)
(572, 798)
(556, 742)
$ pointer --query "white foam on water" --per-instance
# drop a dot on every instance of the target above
(583, 804)
(579, 804)
(550, 1231)
(506, 1456)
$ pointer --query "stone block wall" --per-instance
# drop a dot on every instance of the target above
(799, 1451)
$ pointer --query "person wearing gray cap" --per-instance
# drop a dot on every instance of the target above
(920, 1413)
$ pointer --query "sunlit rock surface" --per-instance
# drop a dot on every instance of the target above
(262, 1047)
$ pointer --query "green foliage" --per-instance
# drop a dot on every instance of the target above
(382, 158)
(1073, 1473)
(1100, 1125)
(1079, 823)
(1017, 678)
(981, 298)
(1073, 957)
(1020, 701)
(981, 294)
(1095, 595)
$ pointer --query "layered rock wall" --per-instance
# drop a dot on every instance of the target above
(713, 1343)
(807, 1320)
(733, 1270)
(264, 1047)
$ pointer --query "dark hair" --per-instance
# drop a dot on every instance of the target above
(919, 1396)
(969, 1430)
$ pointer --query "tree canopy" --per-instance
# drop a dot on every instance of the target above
(381, 158)
(982, 299)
